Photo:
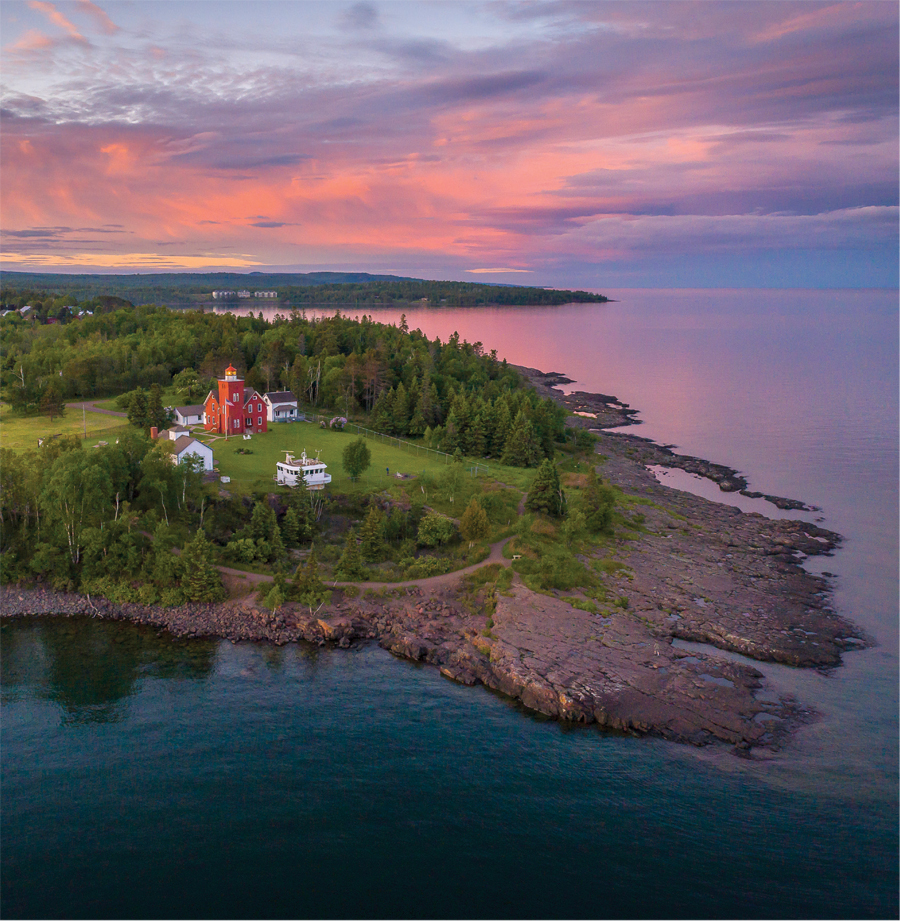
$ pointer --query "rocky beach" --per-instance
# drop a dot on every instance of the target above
(695, 571)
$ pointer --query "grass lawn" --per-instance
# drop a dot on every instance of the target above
(21, 433)
(255, 471)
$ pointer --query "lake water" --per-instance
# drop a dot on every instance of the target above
(149, 777)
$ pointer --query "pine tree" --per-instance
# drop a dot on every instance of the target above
(137, 409)
(598, 503)
(522, 449)
(451, 440)
(157, 415)
(476, 439)
(502, 428)
(372, 535)
(546, 494)
(382, 419)
(261, 521)
(350, 566)
(400, 410)
(277, 594)
(276, 543)
(200, 579)
(308, 587)
(474, 524)
(290, 528)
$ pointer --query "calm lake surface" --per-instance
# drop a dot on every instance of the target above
(146, 777)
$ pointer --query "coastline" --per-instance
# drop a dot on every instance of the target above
(697, 570)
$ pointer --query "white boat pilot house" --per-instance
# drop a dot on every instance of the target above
(306, 471)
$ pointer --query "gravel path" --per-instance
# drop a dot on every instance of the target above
(92, 407)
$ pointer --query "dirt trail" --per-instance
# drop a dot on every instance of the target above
(92, 407)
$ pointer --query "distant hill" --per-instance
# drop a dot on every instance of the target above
(354, 290)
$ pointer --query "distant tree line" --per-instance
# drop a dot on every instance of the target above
(351, 290)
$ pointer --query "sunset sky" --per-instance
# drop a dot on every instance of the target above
(572, 144)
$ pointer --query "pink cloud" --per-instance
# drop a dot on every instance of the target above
(57, 18)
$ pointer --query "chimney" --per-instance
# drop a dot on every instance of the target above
(154, 432)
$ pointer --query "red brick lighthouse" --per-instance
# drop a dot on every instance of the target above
(235, 409)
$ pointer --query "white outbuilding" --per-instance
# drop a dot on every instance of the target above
(185, 445)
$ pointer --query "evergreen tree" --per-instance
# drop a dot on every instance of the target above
(476, 439)
(262, 521)
(502, 428)
(382, 419)
(474, 524)
(546, 494)
(277, 594)
(372, 535)
(138, 414)
(302, 508)
(598, 503)
(400, 410)
(157, 415)
(452, 438)
(522, 449)
(308, 587)
(290, 528)
(200, 579)
(350, 566)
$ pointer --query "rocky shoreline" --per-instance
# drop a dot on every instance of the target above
(693, 570)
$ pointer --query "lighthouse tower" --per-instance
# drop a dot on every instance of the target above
(233, 409)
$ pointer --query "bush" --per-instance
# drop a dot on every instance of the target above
(435, 530)
(172, 597)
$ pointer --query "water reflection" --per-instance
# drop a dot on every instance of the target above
(89, 668)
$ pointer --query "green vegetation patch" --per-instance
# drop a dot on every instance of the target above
(21, 433)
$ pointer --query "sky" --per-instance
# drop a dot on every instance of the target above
(569, 144)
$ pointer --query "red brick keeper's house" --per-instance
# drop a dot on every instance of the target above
(234, 409)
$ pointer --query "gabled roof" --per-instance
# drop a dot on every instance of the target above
(281, 396)
(190, 410)
(249, 394)
(186, 442)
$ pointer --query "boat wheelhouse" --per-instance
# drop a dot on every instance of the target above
(303, 471)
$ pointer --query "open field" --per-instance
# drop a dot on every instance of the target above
(21, 433)
(255, 471)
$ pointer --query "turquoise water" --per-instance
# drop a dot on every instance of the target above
(146, 777)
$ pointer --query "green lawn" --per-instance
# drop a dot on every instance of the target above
(255, 471)
(21, 433)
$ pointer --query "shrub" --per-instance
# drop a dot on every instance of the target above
(435, 530)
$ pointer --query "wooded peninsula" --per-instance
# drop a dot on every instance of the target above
(509, 541)
(350, 290)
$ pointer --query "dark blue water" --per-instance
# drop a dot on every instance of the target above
(208, 780)
(145, 777)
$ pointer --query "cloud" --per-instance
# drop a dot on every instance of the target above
(488, 136)
(99, 16)
(32, 40)
(496, 271)
(360, 16)
(58, 19)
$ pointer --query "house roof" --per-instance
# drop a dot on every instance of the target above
(249, 394)
(189, 410)
(186, 442)
(281, 396)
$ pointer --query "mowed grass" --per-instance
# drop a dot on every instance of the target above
(22, 433)
(255, 471)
